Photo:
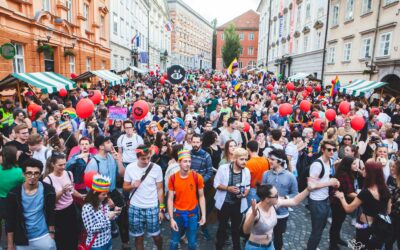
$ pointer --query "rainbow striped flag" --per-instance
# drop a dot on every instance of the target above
(71, 112)
(234, 64)
(335, 87)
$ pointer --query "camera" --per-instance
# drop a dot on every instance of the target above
(375, 139)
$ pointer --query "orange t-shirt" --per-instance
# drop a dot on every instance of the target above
(32, 109)
(257, 166)
(185, 191)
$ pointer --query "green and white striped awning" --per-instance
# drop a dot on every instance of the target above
(47, 82)
(361, 87)
(106, 75)
(298, 76)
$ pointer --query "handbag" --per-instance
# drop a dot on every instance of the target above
(82, 246)
(381, 227)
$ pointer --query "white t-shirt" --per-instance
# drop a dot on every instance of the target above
(268, 149)
(315, 171)
(128, 145)
(42, 155)
(226, 136)
(291, 150)
(146, 195)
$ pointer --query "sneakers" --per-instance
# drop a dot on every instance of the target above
(330, 220)
(353, 222)
(205, 234)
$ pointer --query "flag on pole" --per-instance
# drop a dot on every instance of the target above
(138, 41)
(234, 64)
(335, 87)
(135, 37)
(168, 26)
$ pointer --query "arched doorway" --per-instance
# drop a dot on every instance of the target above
(393, 85)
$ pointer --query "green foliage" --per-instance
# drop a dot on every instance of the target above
(45, 48)
(69, 53)
(231, 47)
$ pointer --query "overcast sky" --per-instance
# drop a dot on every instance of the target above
(223, 10)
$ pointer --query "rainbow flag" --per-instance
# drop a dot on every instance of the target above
(335, 87)
(71, 112)
(234, 64)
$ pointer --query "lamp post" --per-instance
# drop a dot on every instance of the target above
(73, 43)
(49, 34)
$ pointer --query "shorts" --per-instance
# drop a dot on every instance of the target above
(139, 218)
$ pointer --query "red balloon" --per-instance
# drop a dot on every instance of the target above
(309, 89)
(202, 79)
(73, 75)
(88, 178)
(273, 97)
(379, 124)
(374, 111)
(290, 86)
(357, 123)
(305, 94)
(246, 127)
(208, 85)
(162, 80)
(140, 110)
(270, 87)
(344, 107)
(318, 88)
(96, 97)
(285, 109)
(165, 75)
(319, 125)
(223, 86)
(333, 82)
(151, 73)
(84, 108)
(305, 106)
(315, 114)
(216, 78)
(330, 114)
(62, 92)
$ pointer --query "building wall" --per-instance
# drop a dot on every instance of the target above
(353, 31)
(191, 38)
(25, 23)
(263, 9)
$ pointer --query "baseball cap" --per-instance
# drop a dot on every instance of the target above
(100, 140)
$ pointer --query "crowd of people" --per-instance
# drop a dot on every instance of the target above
(207, 146)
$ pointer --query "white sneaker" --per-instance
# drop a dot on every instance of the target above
(353, 222)
(330, 220)
(290, 209)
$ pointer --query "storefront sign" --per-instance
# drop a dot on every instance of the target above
(8, 51)
(116, 113)
(176, 74)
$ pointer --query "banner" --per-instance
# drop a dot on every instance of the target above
(116, 113)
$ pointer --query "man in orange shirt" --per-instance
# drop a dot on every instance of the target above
(187, 187)
(32, 108)
(257, 166)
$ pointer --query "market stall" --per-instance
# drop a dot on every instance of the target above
(361, 88)
(112, 78)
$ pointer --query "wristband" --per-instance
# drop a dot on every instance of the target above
(161, 206)
(52, 231)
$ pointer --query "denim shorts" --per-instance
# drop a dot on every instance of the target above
(139, 218)
(254, 246)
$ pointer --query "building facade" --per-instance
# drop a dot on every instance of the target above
(65, 37)
(363, 41)
(263, 33)
(246, 26)
(296, 35)
(129, 25)
(191, 37)
(159, 36)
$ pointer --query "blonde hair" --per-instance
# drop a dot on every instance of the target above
(240, 152)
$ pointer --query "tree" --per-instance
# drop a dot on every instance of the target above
(214, 44)
(231, 47)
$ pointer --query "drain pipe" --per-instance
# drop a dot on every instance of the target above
(325, 41)
(269, 30)
(375, 38)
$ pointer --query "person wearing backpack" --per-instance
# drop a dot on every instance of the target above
(232, 182)
(144, 181)
(186, 194)
(128, 142)
(286, 184)
(318, 201)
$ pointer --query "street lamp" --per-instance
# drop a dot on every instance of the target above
(49, 33)
(73, 43)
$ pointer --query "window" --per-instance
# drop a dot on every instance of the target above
(298, 21)
(69, 11)
(331, 55)
(296, 46)
(86, 15)
(252, 64)
(240, 65)
(241, 36)
(18, 60)
(349, 10)
(366, 6)
(122, 25)
(71, 64)
(335, 15)
(251, 36)
(102, 27)
(222, 36)
(386, 2)
(88, 63)
(115, 24)
(347, 52)
(308, 10)
(115, 62)
(240, 51)
(305, 44)
(318, 40)
(46, 5)
(366, 48)
(250, 51)
(384, 44)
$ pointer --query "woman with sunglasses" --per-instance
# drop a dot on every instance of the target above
(164, 151)
(66, 224)
(374, 199)
(261, 218)
(347, 140)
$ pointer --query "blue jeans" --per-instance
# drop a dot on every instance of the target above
(105, 247)
(249, 246)
(190, 231)
(252, 195)
(319, 215)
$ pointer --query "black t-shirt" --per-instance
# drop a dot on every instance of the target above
(370, 206)
(20, 147)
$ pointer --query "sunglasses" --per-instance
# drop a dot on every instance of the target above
(273, 197)
(331, 149)
(347, 139)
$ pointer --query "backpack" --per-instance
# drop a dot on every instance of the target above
(302, 178)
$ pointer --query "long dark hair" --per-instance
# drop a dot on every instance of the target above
(55, 156)
(209, 138)
(158, 141)
(374, 176)
(226, 149)
(264, 190)
(9, 155)
(345, 167)
(92, 198)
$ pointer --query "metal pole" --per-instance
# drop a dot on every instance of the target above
(375, 37)
(269, 30)
(325, 41)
